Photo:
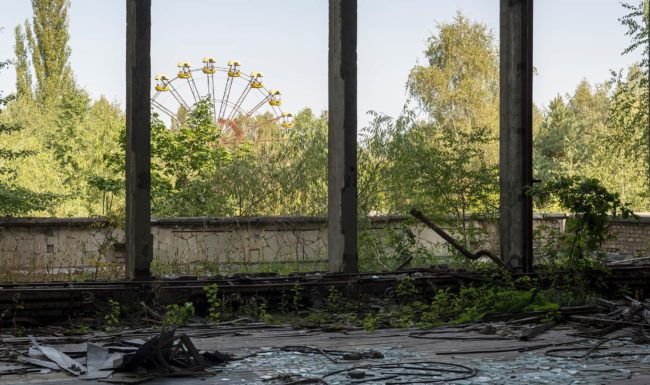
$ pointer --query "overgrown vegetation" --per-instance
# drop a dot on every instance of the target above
(591, 207)
(178, 315)
(62, 153)
(409, 304)
(113, 313)
(15, 199)
(573, 260)
(472, 304)
(214, 302)
(439, 155)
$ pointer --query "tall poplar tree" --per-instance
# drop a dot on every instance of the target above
(23, 75)
(47, 38)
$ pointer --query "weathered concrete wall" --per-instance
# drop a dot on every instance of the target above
(213, 241)
(50, 245)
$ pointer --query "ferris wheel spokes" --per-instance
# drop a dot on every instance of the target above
(257, 106)
(233, 72)
(210, 69)
(185, 72)
(244, 94)
(177, 95)
(164, 110)
(243, 117)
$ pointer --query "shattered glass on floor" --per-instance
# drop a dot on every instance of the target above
(278, 367)
(281, 356)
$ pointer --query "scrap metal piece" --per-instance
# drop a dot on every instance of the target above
(41, 363)
(166, 353)
(100, 362)
(7, 369)
(61, 359)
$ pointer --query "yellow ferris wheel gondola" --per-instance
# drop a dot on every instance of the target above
(184, 71)
(274, 98)
(255, 80)
(286, 120)
(233, 69)
(162, 83)
(209, 66)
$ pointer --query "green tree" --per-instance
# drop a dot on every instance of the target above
(441, 171)
(246, 177)
(47, 39)
(183, 161)
(302, 163)
(459, 86)
(15, 200)
(70, 133)
(444, 162)
(23, 75)
(637, 22)
(591, 206)
(569, 136)
(623, 155)
(551, 141)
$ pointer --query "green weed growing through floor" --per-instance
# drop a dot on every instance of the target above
(214, 302)
(471, 304)
(296, 296)
(112, 316)
(178, 315)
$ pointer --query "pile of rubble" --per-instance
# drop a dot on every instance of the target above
(572, 342)
(121, 360)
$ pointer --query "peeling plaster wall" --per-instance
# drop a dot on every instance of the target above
(49, 244)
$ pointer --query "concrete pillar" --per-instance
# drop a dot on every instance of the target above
(139, 242)
(516, 136)
(647, 21)
(342, 137)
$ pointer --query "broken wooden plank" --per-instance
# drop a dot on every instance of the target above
(536, 330)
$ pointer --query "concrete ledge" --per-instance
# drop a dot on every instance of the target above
(43, 221)
(250, 221)
(187, 221)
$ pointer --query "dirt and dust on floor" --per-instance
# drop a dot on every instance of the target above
(604, 343)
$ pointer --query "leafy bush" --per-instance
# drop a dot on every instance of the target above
(473, 303)
(591, 206)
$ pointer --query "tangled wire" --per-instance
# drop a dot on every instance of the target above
(401, 373)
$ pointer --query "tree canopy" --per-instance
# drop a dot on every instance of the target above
(62, 152)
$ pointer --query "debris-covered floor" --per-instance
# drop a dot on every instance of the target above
(271, 355)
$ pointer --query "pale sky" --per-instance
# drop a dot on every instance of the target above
(287, 41)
